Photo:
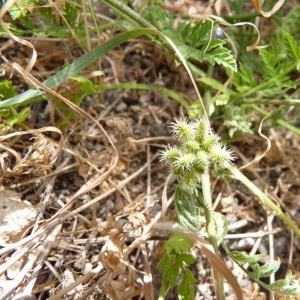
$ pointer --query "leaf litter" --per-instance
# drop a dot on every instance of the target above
(92, 186)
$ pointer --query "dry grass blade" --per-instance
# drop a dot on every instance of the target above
(35, 263)
(223, 22)
(256, 4)
(7, 5)
(148, 276)
(268, 147)
(115, 156)
(41, 156)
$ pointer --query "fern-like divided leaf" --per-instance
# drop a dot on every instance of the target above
(193, 40)
(281, 287)
(178, 243)
(173, 262)
(158, 17)
(186, 288)
(292, 49)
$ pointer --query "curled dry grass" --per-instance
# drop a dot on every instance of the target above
(57, 232)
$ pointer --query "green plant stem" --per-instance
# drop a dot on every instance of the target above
(130, 13)
(279, 122)
(208, 209)
(147, 87)
(207, 92)
(286, 102)
(210, 223)
(256, 191)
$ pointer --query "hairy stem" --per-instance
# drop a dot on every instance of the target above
(210, 223)
(210, 226)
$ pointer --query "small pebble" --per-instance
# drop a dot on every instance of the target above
(135, 108)
(109, 205)
(87, 268)
(121, 107)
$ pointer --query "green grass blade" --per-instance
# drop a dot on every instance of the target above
(79, 64)
(147, 87)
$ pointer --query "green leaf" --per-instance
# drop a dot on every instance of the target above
(164, 262)
(237, 120)
(27, 22)
(269, 268)
(14, 29)
(173, 274)
(212, 43)
(292, 49)
(255, 274)
(178, 243)
(187, 210)
(221, 99)
(186, 288)
(187, 52)
(282, 287)
(186, 258)
(198, 34)
(18, 118)
(17, 11)
(164, 285)
(222, 56)
(282, 282)
(269, 61)
(70, 13)
(221, 225)
(158, 16)
(195, 110)
(222, 172)
(245, 257)
(6, 90)
(85, 84)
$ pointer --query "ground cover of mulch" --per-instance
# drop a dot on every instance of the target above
(101, 205)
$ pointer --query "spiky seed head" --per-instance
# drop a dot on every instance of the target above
(191, 146)
(201, 129)
(169, 155)
(221, 154)
(203, 158)
(190, 179)
(182, 129)
(210, 141)
(199, 168)
(185, 161)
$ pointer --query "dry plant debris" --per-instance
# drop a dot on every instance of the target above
(95, 190)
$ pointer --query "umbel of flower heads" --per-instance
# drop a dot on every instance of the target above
(199, 148)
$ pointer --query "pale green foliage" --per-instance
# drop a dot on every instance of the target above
(237, 120)
(221, 225)
(286, 286)
(16, 11)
